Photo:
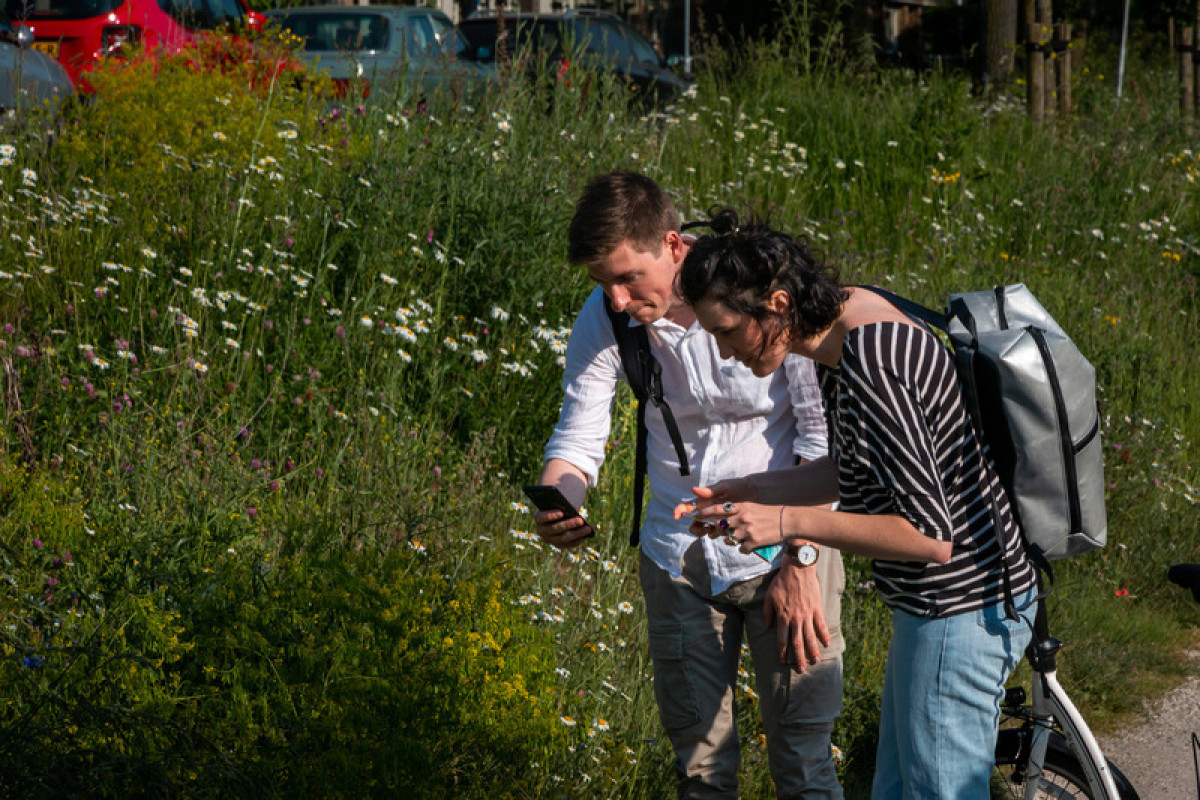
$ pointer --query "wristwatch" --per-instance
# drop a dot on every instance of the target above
(805, 554)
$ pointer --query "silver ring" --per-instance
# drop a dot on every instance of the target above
(732, 540)
(727, 507)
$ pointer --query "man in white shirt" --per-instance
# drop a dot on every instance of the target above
(702, 596)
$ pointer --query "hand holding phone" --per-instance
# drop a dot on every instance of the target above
(549, 498)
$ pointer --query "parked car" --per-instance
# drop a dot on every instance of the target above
(600, 39)
(377, 48)
(81, 32)
(28, 79)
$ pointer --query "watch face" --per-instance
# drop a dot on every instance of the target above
(806, 554)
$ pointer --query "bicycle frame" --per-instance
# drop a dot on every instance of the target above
(1051, 709)
(1052, 705)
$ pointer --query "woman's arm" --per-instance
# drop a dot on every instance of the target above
(884, 536)
(811, 483)
(751, 525)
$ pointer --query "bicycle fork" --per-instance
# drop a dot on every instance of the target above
(1051, 705)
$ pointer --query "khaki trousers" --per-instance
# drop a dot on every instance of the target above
(695, 643)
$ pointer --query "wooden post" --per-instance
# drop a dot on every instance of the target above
(1037, 74)
(1078, 44)
(1045, 11)
(501, 39)
(1064, 71)
(1196, 61)
(1187, 77)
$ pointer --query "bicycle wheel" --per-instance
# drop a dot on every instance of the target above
(1062, 776)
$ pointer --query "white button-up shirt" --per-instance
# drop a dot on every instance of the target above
(732, 424)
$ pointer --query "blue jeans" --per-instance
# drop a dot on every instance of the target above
(941, 702)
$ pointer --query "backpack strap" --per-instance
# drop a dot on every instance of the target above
(934, 319)
(644, 374)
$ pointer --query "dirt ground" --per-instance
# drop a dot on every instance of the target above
(1155, 752)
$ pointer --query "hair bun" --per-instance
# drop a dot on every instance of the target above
(723, 221)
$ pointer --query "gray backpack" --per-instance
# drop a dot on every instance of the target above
(1033, 395)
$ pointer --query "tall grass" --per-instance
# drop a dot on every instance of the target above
(274, 370)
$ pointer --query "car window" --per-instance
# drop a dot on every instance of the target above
(449, 40)
(481, 38)
(601, 38)
(340, 30)
(202, 14)
(643, 51)
(378, 33)
(549, 37)
(540, 36)
(59, 9)
(421, 37)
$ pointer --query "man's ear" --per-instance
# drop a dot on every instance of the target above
(675, 246)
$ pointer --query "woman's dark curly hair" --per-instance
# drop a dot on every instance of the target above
(743, 261)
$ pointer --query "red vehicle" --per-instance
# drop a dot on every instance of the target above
(81, 32)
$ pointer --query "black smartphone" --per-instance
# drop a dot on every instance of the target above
(549, 498)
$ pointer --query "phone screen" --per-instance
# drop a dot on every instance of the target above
(768, 552)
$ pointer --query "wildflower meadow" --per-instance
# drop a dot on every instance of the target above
(275, 368)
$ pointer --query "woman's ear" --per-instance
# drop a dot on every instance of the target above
(779, 303)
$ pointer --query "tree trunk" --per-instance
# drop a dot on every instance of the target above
(1001, 41)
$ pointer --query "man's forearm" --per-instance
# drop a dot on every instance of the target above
(570, 480)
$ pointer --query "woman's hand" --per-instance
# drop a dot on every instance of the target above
(725, 510)
(730, 490)
(746, 525)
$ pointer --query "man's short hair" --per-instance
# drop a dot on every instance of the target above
(616, 207)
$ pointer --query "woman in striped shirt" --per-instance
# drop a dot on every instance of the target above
(915, 488)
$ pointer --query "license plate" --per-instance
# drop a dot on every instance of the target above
(49, 48)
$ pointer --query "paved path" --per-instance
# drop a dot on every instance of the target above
(1156, 753)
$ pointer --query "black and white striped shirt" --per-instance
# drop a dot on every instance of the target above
(905, 445)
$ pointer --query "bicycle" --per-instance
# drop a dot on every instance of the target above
(1051, 753)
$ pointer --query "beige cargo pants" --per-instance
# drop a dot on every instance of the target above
(695, 643)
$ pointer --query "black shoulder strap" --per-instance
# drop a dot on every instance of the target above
(934, 319)
(644, 374)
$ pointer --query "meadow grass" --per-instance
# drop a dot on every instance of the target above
(275, 369)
